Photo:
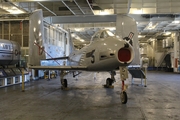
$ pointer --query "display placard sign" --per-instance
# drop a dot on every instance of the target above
(9, 72)
(2, 73)
(17, 71)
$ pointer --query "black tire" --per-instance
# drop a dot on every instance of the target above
(123, 97)
(108, 82)
(65, 83)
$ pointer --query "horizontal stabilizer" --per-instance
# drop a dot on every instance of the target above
(58, 58)
(58, 67)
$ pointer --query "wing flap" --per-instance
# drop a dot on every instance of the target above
(58, 67)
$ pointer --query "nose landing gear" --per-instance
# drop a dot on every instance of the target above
(123, 94)
(123, 76)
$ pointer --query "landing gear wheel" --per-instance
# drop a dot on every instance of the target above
(64, 83)
(123, 97)
(109, 82)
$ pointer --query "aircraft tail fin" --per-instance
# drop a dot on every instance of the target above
(126, 25)
(36, 38)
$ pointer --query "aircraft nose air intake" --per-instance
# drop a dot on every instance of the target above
(124, 55)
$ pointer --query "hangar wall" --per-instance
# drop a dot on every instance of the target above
(162, 53)
(18, 30)
(15, 30)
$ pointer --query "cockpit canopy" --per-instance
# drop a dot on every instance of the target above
(101, 35)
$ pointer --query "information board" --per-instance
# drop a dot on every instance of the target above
(17, 71)
(9, 72)
(2, 73)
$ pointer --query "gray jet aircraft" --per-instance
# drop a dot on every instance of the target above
(106, 52)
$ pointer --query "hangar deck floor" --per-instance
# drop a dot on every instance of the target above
(88, 100)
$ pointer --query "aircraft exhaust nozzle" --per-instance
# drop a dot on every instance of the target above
(125, 55)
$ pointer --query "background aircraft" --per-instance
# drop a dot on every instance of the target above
(106, 52)
(9, 52)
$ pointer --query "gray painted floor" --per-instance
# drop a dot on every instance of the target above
(88, 100)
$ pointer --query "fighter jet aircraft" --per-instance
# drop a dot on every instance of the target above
(106, 52)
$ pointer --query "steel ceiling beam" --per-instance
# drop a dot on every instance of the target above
(68, 7)
(79, 6)
(90, 6)
(129, 6)
(94, 19)
(47, 8)
(83, 19)
(37, 0)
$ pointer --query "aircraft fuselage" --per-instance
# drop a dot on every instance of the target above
(102, 55)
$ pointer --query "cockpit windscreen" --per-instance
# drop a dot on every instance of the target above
(102, 34)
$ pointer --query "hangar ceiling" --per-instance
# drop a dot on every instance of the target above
(154, 17)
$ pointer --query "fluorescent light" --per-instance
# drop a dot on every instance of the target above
(104, 12)
(136, 11)
(111, 28)
(78, 29)
(12, 10)
(81, 40)
(141, 36)
(167, 33)
(73, 35)
(176, 22)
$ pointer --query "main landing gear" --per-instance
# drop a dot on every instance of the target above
(123, 76)
(110, 81)
(63, 81)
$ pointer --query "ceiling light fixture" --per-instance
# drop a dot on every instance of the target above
(81, 40)
(104, 12)
(78, 29)
(176, 22)
(73, 35)
(110, 28)
(167, 33)
(141, 36)
(136, 11)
